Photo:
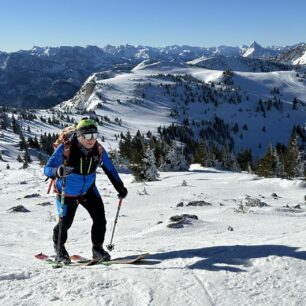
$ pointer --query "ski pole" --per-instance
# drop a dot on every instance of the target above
(111, 246)
(61, 214)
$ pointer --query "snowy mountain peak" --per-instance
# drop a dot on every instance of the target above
(254, 50)
(256, 45)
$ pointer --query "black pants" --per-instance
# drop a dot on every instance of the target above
(92, 202)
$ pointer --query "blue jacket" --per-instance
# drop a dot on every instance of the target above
(84, 174)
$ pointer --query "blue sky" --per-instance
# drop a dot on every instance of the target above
(206, 23)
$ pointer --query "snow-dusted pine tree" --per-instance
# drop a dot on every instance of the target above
(294, 164)
(148, 170)
(174, 159)
(279, 163)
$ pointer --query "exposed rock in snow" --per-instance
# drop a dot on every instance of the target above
(18, 208)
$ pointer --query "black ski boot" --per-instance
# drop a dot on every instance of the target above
(98, 253)
(62, 254)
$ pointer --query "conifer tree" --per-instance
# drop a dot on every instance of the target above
(125, 146)
(19, 158)
(228, 160)
(22, 143)
(201, 153)
(174, 159)
(27, 157)
(4, 121)
(267, 165)
(293, 161)
(16, 126)
(148, 170)
(214, 156)
(138, 148)
(244, 159)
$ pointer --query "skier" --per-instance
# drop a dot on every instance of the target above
(74, 164)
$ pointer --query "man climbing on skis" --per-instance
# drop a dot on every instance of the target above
(73, 164)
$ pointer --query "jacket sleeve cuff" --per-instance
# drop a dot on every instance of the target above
(119, 186)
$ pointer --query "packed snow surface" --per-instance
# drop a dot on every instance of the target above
(233, 254)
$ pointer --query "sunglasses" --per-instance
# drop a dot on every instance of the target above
(90, 136)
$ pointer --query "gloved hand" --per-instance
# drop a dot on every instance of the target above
(122, 193)
(63, 171)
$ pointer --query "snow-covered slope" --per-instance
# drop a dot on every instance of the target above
(144, 99)
(225, 257)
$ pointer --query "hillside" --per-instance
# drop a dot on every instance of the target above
(155, 94)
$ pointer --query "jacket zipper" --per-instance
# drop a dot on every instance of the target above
(81, 171)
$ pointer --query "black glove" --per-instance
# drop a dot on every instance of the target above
(63, 171)
(122, 193)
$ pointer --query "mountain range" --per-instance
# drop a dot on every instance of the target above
(44, 77)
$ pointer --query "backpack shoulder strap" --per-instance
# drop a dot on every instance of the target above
(100, 150)
(67, 149)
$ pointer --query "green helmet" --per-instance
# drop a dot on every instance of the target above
(86, 126)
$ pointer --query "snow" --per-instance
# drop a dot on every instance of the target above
(260, 262)
(301, 60)
(154, 109)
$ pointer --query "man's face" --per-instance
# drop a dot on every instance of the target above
(88, 140)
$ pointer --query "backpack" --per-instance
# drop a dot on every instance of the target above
(64, 137)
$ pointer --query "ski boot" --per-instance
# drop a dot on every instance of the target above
(62, 255)
(98, 253)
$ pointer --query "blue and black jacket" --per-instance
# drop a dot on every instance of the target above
(85, 163)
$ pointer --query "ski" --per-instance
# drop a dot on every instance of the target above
(77, 260)
(124, 260)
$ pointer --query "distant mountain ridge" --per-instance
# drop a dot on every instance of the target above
(45, 76)
(295, 56)
(239, 63)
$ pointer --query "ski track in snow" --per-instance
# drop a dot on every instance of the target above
(261, 262)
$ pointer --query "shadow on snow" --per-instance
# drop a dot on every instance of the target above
(230, 258)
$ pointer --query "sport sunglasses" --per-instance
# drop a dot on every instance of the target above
(90, 136)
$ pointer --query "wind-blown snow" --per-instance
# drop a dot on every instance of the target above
(260, 262)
